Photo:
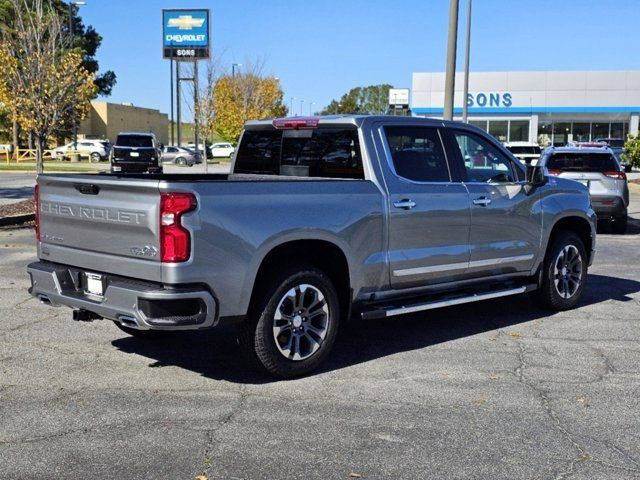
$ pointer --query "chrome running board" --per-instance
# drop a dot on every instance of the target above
(391, 311)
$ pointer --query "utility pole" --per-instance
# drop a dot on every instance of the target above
(233, 68)
(301, 102)
(173, 140)
(178, 107)
(450, 76)
(465, 93)
(310, 107)
(291, 106)
(196, 120)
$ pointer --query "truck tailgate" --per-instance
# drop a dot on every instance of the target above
(109, 224)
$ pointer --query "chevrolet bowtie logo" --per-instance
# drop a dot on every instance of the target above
(185, 22)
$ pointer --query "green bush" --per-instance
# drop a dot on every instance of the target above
(632, 150)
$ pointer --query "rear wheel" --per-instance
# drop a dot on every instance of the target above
(95, 157)
(181, 161)
(144, 334)
(292, 324)
(619, 224)
(564, 272)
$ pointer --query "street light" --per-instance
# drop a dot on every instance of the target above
(310, 105)
(465, 93)
(233, 68)
(301, 102)
(291, 106)
(71, 39)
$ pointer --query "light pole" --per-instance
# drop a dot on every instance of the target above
(465, 92)
(233, 68)
(291, 106)
(311, 104)
(301, 102)
(73, 110)
(450, 77)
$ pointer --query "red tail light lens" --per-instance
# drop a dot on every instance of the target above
(554, 172)
(295, 123)
(36, 206)
(616, 174)
(175, 240)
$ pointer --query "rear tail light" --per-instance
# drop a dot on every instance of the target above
(36, 206)
(295, 123)
(618, 175)
(554, 172)
(175, 240)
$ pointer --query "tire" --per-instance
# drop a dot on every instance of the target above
(619, 225)
(180, 161)
(563, 293)
(144, 334)
(95, 157)
(310, 339)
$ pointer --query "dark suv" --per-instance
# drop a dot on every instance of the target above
(136, 152)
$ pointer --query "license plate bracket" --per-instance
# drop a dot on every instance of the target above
(94, 283)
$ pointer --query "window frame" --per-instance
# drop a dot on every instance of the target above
(516, 167)
(453, 178)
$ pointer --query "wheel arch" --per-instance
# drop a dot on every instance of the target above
(578, 225)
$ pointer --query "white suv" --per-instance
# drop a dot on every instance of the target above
(95, 150)
(222, 150)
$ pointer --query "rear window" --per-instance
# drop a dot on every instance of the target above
(134, 141)
(582, 162)
(322, 152)
(524, 150)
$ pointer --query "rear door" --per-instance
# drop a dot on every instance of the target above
(93, 222)
(506, 222)
(428, 208)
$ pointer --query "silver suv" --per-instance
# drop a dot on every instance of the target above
(599, 170)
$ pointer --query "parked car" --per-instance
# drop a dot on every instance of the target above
(95, 150)
(617, 146)
(381, 216)
(136, 152)
(180, 156)
(222, 150)
(528, 152)
(598, 169)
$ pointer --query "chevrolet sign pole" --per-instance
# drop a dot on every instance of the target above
(185, 37)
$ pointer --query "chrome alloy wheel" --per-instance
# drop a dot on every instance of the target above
(301, 322)
(567, 272)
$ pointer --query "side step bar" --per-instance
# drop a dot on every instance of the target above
(391, 311)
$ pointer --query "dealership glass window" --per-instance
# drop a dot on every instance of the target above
(561, 131)
(479, 123)
(499, 129)
(617, 130)
(581, 131)
(545, 133)
(519, 131)
(599, 130)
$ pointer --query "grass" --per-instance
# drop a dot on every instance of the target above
(49, 166)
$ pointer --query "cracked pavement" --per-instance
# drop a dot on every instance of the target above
(499, 389)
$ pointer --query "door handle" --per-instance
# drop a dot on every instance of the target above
(405, 203)
(482, 201)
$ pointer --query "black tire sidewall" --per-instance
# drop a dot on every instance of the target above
(550, 297)
(257, 332)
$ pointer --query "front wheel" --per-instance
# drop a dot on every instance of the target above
(564, 272)
(95, 157)
(292, 324)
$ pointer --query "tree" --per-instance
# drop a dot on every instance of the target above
(83, 38)
(632, 150)
(246, 96)
(43, 82)
(372, 100)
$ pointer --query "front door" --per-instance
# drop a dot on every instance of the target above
(505, 218)
(428, 208)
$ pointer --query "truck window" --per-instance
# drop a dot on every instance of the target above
(134, 141)
(484, 162)
(417, 154)
(321, 152)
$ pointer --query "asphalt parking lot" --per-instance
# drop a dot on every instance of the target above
(499, 389)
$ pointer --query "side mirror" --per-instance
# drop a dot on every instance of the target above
(536, 176)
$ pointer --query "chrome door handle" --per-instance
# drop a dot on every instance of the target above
(482, 201)
(405, 204)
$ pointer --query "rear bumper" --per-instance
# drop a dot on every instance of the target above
(133, 303)
(608, 206)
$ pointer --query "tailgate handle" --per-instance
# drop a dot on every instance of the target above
(87, 189)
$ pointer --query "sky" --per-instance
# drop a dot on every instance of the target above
(319, 49)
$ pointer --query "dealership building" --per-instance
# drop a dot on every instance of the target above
(550, 108)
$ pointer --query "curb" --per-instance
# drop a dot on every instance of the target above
(16, 219)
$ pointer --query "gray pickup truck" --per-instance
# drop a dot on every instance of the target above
(322, 220)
